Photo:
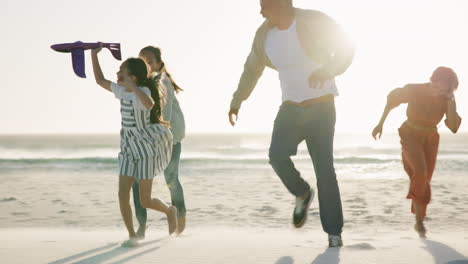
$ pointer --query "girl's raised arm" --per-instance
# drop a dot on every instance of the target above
(98, 75)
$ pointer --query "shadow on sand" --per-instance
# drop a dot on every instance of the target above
(444, 254)
(329, 256)
(114, 251)
(285, 260)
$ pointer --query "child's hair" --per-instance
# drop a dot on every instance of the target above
(137, 67)
(446, 75)
(157, 55)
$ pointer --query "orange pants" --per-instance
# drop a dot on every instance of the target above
(419, 153)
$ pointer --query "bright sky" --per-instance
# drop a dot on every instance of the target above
(204, 44)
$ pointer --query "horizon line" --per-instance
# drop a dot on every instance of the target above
(194, 133)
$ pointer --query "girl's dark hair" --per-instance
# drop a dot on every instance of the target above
(138, 68)
(157, 55)
(445, 75)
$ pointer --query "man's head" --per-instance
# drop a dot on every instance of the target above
(272, 10)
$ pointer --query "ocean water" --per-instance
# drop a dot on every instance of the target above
(71, 181)
(217, 154)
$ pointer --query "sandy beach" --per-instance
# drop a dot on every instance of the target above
(238, 211)
(231, 79)
(230, 245)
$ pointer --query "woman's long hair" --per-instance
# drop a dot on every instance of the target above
(137, 67)
(157, 55)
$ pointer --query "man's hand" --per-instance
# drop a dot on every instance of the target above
(317, 78)
(233, 113)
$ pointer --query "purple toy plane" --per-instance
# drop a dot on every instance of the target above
(77, 50)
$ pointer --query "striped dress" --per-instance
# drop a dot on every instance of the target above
(145, 148)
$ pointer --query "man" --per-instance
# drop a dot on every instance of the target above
(308, 49)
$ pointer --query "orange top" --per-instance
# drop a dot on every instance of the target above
(423, 109)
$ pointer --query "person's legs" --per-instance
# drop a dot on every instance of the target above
(414, 162)
(157, 204)
(320, 131)
(140, 212)
(430, 149)
(125, 184)
(171, 173)
(287, 134)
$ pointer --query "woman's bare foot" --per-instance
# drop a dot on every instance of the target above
(420, 228)
(172, 219)
(180, 224)
(140, 234)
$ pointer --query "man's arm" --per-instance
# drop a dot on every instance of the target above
(253, 69)
(342, 52)
(337, 44)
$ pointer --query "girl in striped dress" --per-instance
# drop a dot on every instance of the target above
(145, 140)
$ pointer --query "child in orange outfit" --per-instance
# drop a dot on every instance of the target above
(427, 105)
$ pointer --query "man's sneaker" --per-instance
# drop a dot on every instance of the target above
(302, 206)
(335, 241)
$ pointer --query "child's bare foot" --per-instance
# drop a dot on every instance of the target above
(172, 219)
(140, 234)
(421, 229)
(180, 224)
(132, 242)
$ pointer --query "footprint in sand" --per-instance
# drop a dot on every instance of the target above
(267, 209)
(360, 212)
(10, 199)
(19, 214)
(407, 238)
(218, 206)
(356, 207)
(365, 239)
(357, 200)
(361, 246)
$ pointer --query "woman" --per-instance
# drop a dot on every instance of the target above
(171, 112)
(427, 105)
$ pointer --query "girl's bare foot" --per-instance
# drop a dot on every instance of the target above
(172, 219)
(421, 229)
(132, 242)
(180, 224)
